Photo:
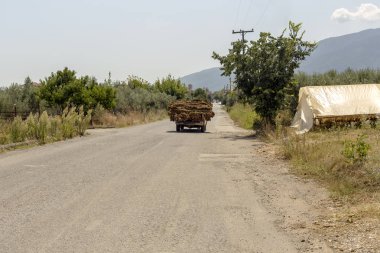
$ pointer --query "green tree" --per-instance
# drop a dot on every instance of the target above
(266, 69)
(136, 82)
(103, 95)
(139, 99)
(55, 88)
(12, 96)
(200, 93)
(30, 95)
(171, 86)
(64, 89)
(218, 95)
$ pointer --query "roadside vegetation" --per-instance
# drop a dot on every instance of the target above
(345, 159)
(244, 115)
(63, 105)
(44, 128)
(264, 69)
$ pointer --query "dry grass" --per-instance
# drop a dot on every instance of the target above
(319, 155)
(363, 210)
(108, 119)
(4, 131)
(44, 128)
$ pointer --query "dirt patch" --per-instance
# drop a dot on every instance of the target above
(307, 210)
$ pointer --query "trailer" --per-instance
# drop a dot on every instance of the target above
(201, 125)
(190, 114)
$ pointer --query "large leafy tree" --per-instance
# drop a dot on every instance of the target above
(171, 86)
(264, 68)
(201, 94)
(54, 88)
(104, 95)
(63, 89)
(135, 82)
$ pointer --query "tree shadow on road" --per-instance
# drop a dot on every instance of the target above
(236, 137)
(188, 131)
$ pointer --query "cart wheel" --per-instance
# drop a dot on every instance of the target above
(178, 128)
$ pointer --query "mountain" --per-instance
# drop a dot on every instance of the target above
(208, 78)
(357, 51)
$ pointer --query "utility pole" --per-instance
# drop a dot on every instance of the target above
(243, 33)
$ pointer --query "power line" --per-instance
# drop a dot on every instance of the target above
(258, 21)
(237, 12)
(248, 11)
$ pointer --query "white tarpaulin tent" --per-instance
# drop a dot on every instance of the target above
(335, 101)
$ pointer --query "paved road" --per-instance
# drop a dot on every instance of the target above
(139, 189)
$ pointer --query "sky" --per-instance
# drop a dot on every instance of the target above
(153, 38)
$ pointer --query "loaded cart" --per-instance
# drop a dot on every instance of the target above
(191, 114)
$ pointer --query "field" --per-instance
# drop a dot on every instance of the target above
(344, 160)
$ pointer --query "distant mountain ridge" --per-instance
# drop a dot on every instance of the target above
(356, 50)
(209, 78)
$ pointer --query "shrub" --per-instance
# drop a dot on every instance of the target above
(350, 169)
(45, 128)
(283, 119)
(18, 130)
(98, 114)
(244, 116)
(38, 127)
(31, 123)
(69, 118)
(356, 152)
(139, 99)
(55, 128)
(4, 130)
(3, 139)
(230, 99)
(43, 125)
(172, 87)
(82, 121)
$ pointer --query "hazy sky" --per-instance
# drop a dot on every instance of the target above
(152, 38)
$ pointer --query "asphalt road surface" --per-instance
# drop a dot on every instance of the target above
(139, 189)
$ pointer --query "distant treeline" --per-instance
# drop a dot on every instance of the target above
(64, 89)
(364, 76)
